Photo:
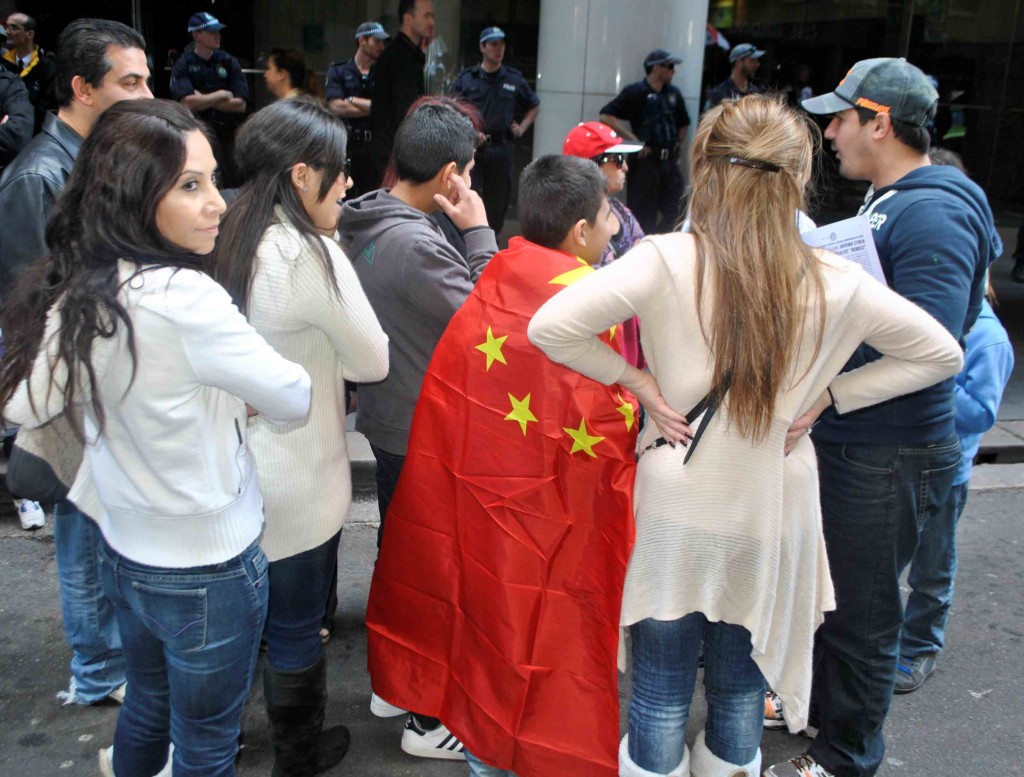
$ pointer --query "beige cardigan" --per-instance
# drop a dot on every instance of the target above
(736, 533)
(303, 466)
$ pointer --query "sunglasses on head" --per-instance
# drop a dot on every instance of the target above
(618, 159)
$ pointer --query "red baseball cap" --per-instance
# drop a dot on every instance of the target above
(591, 139)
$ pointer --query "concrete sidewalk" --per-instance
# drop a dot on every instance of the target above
(965, 721)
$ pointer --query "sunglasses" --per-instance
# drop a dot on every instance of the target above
(346, 169)
(618, 159)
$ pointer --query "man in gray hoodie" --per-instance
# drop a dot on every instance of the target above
(415, 281)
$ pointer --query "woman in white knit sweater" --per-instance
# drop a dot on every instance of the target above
(278, 260)
(729, 547)
(151, 356)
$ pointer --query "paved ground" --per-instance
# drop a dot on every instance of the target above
(965, 721)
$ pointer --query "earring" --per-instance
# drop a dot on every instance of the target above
(305, 189)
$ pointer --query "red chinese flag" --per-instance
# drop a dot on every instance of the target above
(496, 597)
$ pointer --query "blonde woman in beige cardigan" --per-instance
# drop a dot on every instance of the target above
(278, 259)
(729, 547)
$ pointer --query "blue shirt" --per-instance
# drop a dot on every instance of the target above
(347, 80)
(656, 117)
(191, 73)
(499, 96)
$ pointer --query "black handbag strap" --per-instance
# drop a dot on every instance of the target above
(708, 405)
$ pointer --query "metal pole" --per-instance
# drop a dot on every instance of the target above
(907, 24)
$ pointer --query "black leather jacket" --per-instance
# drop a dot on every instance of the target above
(28, 188)
(16, 131)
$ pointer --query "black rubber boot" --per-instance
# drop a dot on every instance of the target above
(295, 708)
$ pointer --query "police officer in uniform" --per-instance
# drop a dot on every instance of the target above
(745, 59)
(348, 96)
(209, 82)
(499, 93)
(657, 116)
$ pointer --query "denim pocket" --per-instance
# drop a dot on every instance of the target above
(176, 616)
(880, 460)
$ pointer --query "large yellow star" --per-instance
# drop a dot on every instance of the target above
(626, 408)
(492, 347)
(521, 412)
(581, 439)
(572, 276)
(568, 278)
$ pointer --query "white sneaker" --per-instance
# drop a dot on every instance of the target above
(30, 513)
(437, 743)
(383, 709)
(801, 766)
(107, 762)
(117, 695)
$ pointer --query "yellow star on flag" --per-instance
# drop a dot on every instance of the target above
(521, 412)
(572, 276)
(492, 347)
(626, 408)
(582, 440)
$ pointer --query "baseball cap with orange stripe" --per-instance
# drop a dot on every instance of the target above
(882, 85)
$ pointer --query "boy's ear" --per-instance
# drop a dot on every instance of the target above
(579, 232)
(447, 172)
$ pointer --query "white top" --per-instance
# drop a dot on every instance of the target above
(171, 481)
(736, 533)
(304, 470)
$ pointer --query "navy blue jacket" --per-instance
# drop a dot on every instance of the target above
(935, 237)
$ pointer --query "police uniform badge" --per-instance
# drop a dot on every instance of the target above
(222, 71)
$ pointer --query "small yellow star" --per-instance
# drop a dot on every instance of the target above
(581, 439)
(521, 412)
(492, 347)
(626, 408)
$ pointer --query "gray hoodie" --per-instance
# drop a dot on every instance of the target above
(415, 281)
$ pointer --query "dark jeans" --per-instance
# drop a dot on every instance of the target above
(654, 186)
(932, 579)
(492, 178)
(874, 499)
(299, 586)
(389, 468)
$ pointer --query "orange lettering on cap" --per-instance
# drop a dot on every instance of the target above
(864, 102)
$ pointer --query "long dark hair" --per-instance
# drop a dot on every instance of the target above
(107, 212)
(300, 76)
(268, 146)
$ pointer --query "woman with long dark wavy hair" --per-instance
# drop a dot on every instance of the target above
(121, 332)
(287, 75)
(278, 259)
(745, 330)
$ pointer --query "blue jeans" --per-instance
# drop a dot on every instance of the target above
(389, 469)
(299, 586)
(664, 674)
(191, 637)
(97, 662)
(479, 769)
(932, 578)
(875, 499)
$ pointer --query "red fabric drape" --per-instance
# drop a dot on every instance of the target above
(495, 600)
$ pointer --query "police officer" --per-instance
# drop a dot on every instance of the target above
(348, 96)
(499, 93)
(745, 59)
(210, 83)
(657, 115)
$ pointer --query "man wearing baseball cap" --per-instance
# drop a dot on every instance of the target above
(657, 116)
(745, 59)
(599, 142)
(348, 96)
(209, 82)
(501, 94)
(886, 470)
